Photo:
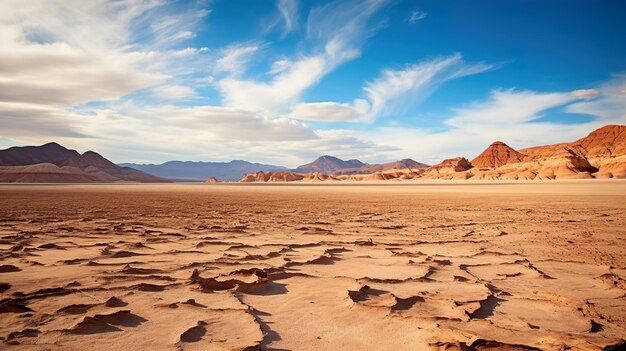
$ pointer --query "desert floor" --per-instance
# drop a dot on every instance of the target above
(416, 266)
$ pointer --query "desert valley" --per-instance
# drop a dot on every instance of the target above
(312, 175)
(399, 255)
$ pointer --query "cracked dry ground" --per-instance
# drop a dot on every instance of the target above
(411, 267)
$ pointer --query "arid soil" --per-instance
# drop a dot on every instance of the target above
(442, 266)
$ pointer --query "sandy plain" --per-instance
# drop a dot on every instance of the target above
(411, 266)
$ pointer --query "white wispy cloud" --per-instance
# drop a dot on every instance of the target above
(289, 12)
(508, 107)
(341, 27)
(417, 15)
(235, 57)
(283, 90)
(337, 31)
(286, 18)
(393, 91)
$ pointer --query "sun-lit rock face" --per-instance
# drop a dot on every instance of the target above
(601, 154)
(496, 155)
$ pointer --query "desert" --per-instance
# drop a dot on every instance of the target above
(312, 175)
(465, 265)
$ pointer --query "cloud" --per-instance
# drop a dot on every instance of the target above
(64, 53)
(173, 92)
(610, 103)
(230, 122)
(170, 28)
(343, 25)
(289, 12)
(417, 15)
(585, 93)
(161, 132)
(56, 73)
(287, 16)
(330, 111)
(235, 57)
(393, 91)
(87, 74)
(508, 107)
(27, 121)
(336, 29)
(283, 90)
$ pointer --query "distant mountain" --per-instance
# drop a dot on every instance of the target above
(328, 164)
(53, 163)
(200, 171)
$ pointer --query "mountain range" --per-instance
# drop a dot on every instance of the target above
(53, 163)
(234, 170)
(601, 154)
(199, 171)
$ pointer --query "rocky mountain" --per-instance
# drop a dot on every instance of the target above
(328, 164)
(53, 163)
(200, 171)
(496, 155)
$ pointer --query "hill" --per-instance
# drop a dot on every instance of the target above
(53, 163)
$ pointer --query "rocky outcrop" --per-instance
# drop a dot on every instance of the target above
(272, 177)
(601, 154)
(496, 155)
(448, 169)
(406, 163)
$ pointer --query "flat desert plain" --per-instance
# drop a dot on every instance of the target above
(423, 266)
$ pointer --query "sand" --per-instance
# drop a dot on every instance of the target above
(428, 266)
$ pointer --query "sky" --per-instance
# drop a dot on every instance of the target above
(286, 81)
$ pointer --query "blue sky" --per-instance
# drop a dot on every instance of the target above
(286, 81)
